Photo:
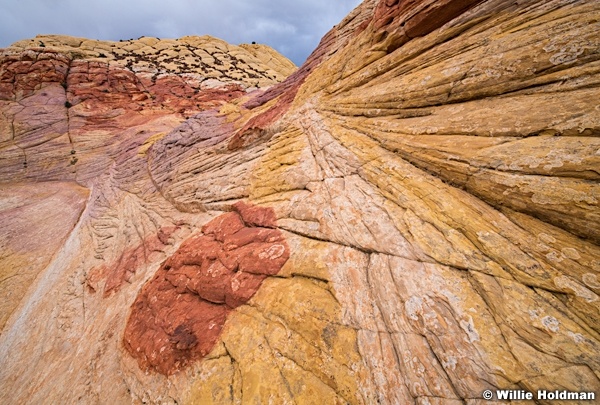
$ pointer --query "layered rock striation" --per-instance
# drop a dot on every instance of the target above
(179, 315)
(410, 217)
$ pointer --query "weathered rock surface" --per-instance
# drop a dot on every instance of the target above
(178, 316)
(410, 217)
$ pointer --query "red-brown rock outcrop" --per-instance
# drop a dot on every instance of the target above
(179, 314)
(409, 218)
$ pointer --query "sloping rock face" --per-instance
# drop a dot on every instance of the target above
(410, 217)
(81, 112)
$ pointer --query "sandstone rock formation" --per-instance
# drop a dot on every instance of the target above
(412, 216)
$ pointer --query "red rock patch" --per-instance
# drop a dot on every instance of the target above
(419, 17)
(179, 314)
(123, 270)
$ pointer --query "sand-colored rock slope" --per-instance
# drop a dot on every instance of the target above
(411, 217)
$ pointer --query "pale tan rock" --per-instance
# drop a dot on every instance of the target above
(36, 221)
(433, 168)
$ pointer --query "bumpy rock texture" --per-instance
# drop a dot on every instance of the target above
(178, 316)
(415, 212)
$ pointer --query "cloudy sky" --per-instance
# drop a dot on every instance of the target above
(292, 27)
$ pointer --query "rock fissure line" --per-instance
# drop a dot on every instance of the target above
(433, 162)
(187, 280)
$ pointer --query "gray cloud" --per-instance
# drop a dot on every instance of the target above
(292, 27)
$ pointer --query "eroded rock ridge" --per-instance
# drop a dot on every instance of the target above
(411, 217)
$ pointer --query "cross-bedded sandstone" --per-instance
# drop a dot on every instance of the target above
(433, 167)
(179, 314)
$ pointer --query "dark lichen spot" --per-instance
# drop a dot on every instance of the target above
(185, 305)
